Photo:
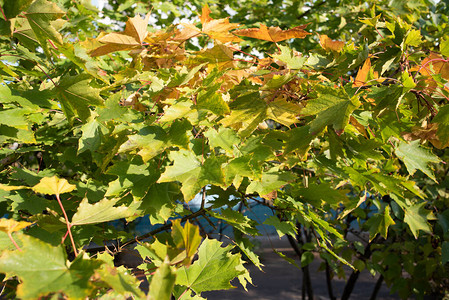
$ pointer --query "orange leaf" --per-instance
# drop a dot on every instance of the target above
(433, 64)
(216, 29)
(205, 15)
(273, 34)
(132, 38)
(363, 74)
(330, 45)
(188, 32)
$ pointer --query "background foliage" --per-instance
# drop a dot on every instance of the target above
(337, 117)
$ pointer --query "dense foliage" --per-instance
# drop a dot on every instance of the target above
(333, 113)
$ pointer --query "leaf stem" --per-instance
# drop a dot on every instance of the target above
(13, 241)
(3, 13)
(68, 224)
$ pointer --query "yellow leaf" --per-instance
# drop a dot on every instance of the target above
(53, 186)
(330, 45)
(12, 188)
(9, 225)
(273, 34)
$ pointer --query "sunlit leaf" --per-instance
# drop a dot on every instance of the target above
(43, 269)
(214, 269)
(273, 34)
(53, 186)
(416, 157)
(102, 211)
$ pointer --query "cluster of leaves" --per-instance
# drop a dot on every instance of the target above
(97, 127)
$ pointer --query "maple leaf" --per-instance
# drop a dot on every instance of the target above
(217, 29)
(75, 95)
(417, 217)
(434, 64)
(273, 34)
(102, 211)
(379, 223)
(214, 269)
(40, 16)
(364, 75)
(10, 225)
(330, 45)
(192, 173)
(332, 107)
(416, 158)
(133, 37)
(43, 268)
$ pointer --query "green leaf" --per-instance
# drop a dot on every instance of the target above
(134, 175)
(286, 56)
(445, 252)
(270, 181)
(153, 140)
(442, 119)
(299, 140)
(212, 100)
(186, 239)
(13, 8)
(102, 211)
(238, 168)
(416, 158)
(332, 107)
(416, 217)
(192, 173)
(118, 278)
(162, 283)
(14, 117)
(150, 140)
(306, 258)
(247, 112)
(76, 95)
(413, 38)
(44, 269)
(53, 186)
(213, 270)
(379, 223)
(91, 137)
(247, 248)
(282, 227)
(315, 193)
(159, 202)
(283, 112)
(41, 16)
(225, 138)
(237, 220)
(444, 47)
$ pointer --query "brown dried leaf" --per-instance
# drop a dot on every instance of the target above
(273, 34)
